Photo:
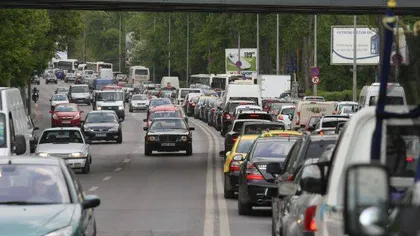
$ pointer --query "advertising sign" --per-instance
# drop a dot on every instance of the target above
(246, 64)
(342, 41)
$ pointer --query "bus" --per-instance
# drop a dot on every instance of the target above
(222, 81)
(68, 65)
(205, 79)
(97, 66)
(138, 75)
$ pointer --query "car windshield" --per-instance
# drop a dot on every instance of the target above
(316, 148)
(80, 89)
(244, 145)
(62, 90)
(273, 148)
(104, 117)
(160, 102)
(61, 136)
(288, 111)
(110, 96)
(168, 124)
(60, 97)
(332, 122)
(66, 108)
(163, 114)
(32, 185)
(139, 97)
(258, 116)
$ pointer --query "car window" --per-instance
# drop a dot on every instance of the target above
(60, 97)
(162, 114)
(101, 118)
(244, 145)
(258, 116)
(160, 102)
(317, 148)
(332, 122)
(66, 108)
(61, 136)
(110, 96)
(287, 111)
(38, 184)
(292, 156)
(168, 124)
(389, 100)
(258, 128)
(80, 89)
(272, 149)
(139, 97)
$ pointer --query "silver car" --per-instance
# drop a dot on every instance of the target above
(139, 102)
(67, 143)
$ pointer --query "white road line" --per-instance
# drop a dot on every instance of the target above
(93, 189)
(118, 169)
(126, 160)
(107, 178)
(224, 227)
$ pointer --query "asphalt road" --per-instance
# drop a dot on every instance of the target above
(165, 194)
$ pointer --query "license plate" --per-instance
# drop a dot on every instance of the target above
(100, 135)
(66, 122)
(168, 144)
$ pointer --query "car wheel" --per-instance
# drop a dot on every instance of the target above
(130, 110)
(244, 209)
(39, 83)
(88, 103)
(189, 150)
(46, 81)
(52, 108)
(86, 169)
(228, 194)
(147, 150)
(120, 139)
(56, 82)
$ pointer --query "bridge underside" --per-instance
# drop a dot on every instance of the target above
(405, 7)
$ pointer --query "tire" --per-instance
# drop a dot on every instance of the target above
(130, 110)
(52, 108)
(147, 151)
(120, 139)
(56, 82)
(86, 169)
(227, 194)
(39, 83)
(189, 150)
(88, 103)
(244, 209)
(46, 81)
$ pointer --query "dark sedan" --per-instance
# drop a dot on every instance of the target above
(103, 125)
(168, 135)
(234, 130)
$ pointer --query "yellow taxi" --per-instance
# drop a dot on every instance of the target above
(234, 158)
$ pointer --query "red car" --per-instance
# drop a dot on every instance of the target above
(66, 114)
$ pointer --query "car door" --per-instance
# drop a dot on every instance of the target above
(87, 219)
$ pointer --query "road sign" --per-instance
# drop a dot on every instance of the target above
(315, 80)
(315, 71)
(238, 63)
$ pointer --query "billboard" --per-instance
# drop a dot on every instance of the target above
(247, 64)
(342, 41)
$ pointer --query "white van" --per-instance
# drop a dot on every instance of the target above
(105, 73)
(182, 93)
(369, 95)
(306, 109)
(110, 100)
(14, 132)
(169, 79)
(245, 90)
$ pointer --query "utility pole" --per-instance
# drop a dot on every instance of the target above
(239, 52)
(169, 54)
(257, 67)
(84, 45)
(355, 59)
(188, 50)
(119, 45)
(315, 50)
(278, 47)
(154, 31)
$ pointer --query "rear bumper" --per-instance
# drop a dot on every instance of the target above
(76, 163)
(256, 194)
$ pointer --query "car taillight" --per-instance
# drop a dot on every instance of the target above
(409, 159)
(227, 116)
(55, 117)
(252, 172)
(235, 165)
(309, 223)
(290, 178)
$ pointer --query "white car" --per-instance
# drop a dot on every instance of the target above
(249, 107)
(67, 143)
(138, 102)
(70, 77)
(59, 98)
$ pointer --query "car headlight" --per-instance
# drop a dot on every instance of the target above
(86, 128)
(98, 108)
(121, 107)
(77, 116)
(153, 138)
(66, 231)
(77, 154)
(42, 154)
(115, 128)
(183, 138)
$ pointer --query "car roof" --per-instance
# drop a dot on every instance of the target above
(248, 105)
(252, 112)
(168, 118)
(165, 108)
(102, 111)
(249, 120)
(79, 85)
(62, 128)
(35, 160)
(323, 137)
(256, 122)
(239, 101)
(277, 138)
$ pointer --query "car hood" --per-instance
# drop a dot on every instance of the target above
(61, 148)
(97, 125)
(58, 102)
(169, 131)
(67, 114)
(80, 95)
(109, 103)
(35, 220)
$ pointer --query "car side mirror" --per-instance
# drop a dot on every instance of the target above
(19, 145)
(36, 128)
(91, 201)
(367, 197)
(287, 188)
(145, 120)
(312, 179)
(191, 128)
(238, 157)
(222, 154)
(145, 128)
(274, 168)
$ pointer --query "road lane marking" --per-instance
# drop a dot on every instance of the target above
(224, 228)
(126, 160)
(117, 169)
(93, 189)
(107, 178)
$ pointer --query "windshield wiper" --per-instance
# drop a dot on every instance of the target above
(26, 203)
